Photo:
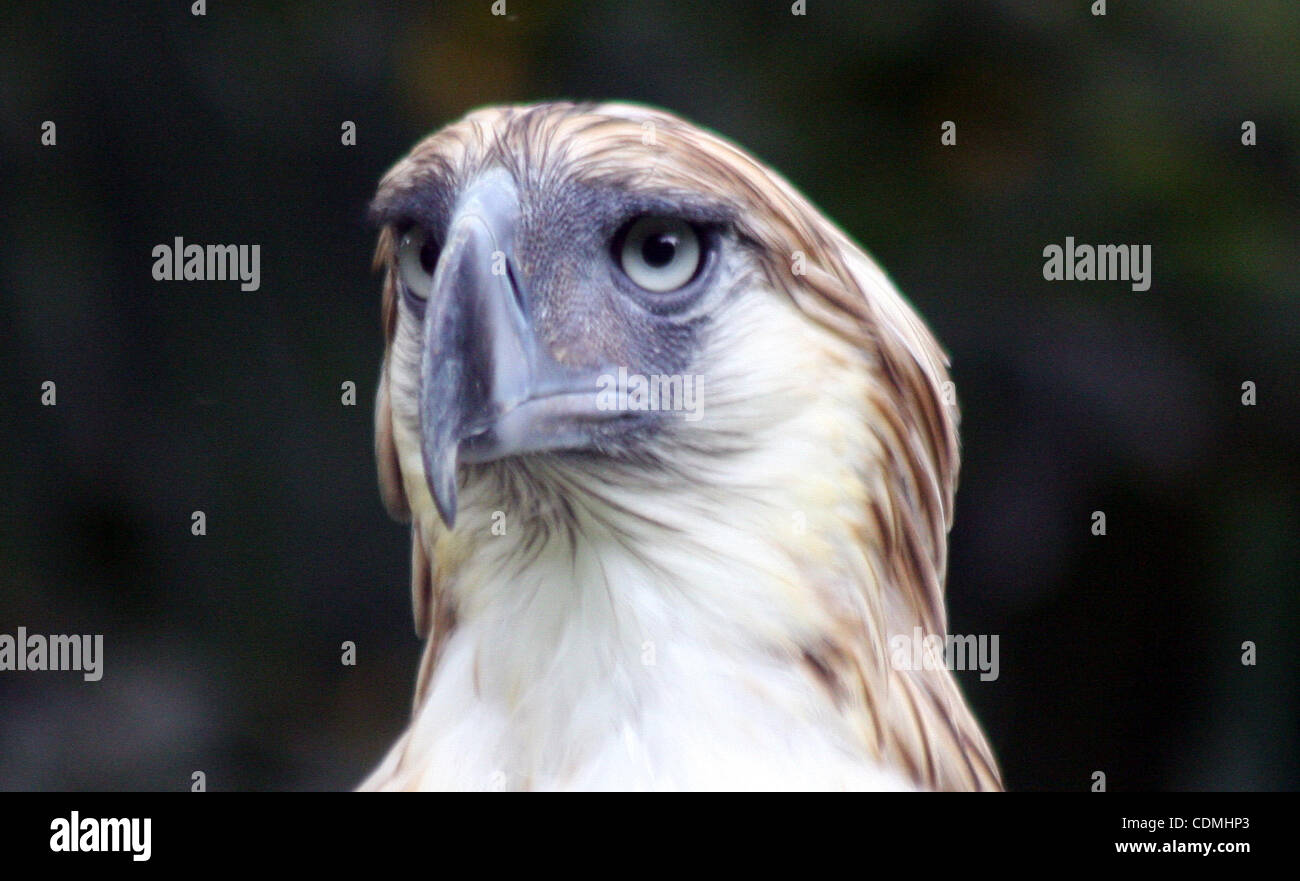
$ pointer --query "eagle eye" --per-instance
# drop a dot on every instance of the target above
(659, 254)
(417, 257)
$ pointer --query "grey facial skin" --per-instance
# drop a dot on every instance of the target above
(489, 389)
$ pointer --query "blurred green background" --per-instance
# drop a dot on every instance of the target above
(1118, 653)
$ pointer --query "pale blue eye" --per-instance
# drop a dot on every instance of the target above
(417, 257)
(660, 254)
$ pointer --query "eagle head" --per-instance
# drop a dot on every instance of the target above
(678, 460)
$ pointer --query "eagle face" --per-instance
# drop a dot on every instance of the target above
(524, 294)
(627, 594)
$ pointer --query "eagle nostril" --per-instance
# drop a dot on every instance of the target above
(516, 290)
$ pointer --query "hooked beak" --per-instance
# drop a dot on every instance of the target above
(488, 388)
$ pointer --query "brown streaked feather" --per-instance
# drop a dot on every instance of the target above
(390, 470)
(442, 621)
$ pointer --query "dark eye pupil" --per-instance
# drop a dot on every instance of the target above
(658, 251)
(429, 255)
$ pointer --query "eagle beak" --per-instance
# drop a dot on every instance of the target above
(488, 389)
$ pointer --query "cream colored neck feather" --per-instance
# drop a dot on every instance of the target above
(636, 658)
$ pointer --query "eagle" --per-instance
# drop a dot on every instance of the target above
(693, 588)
